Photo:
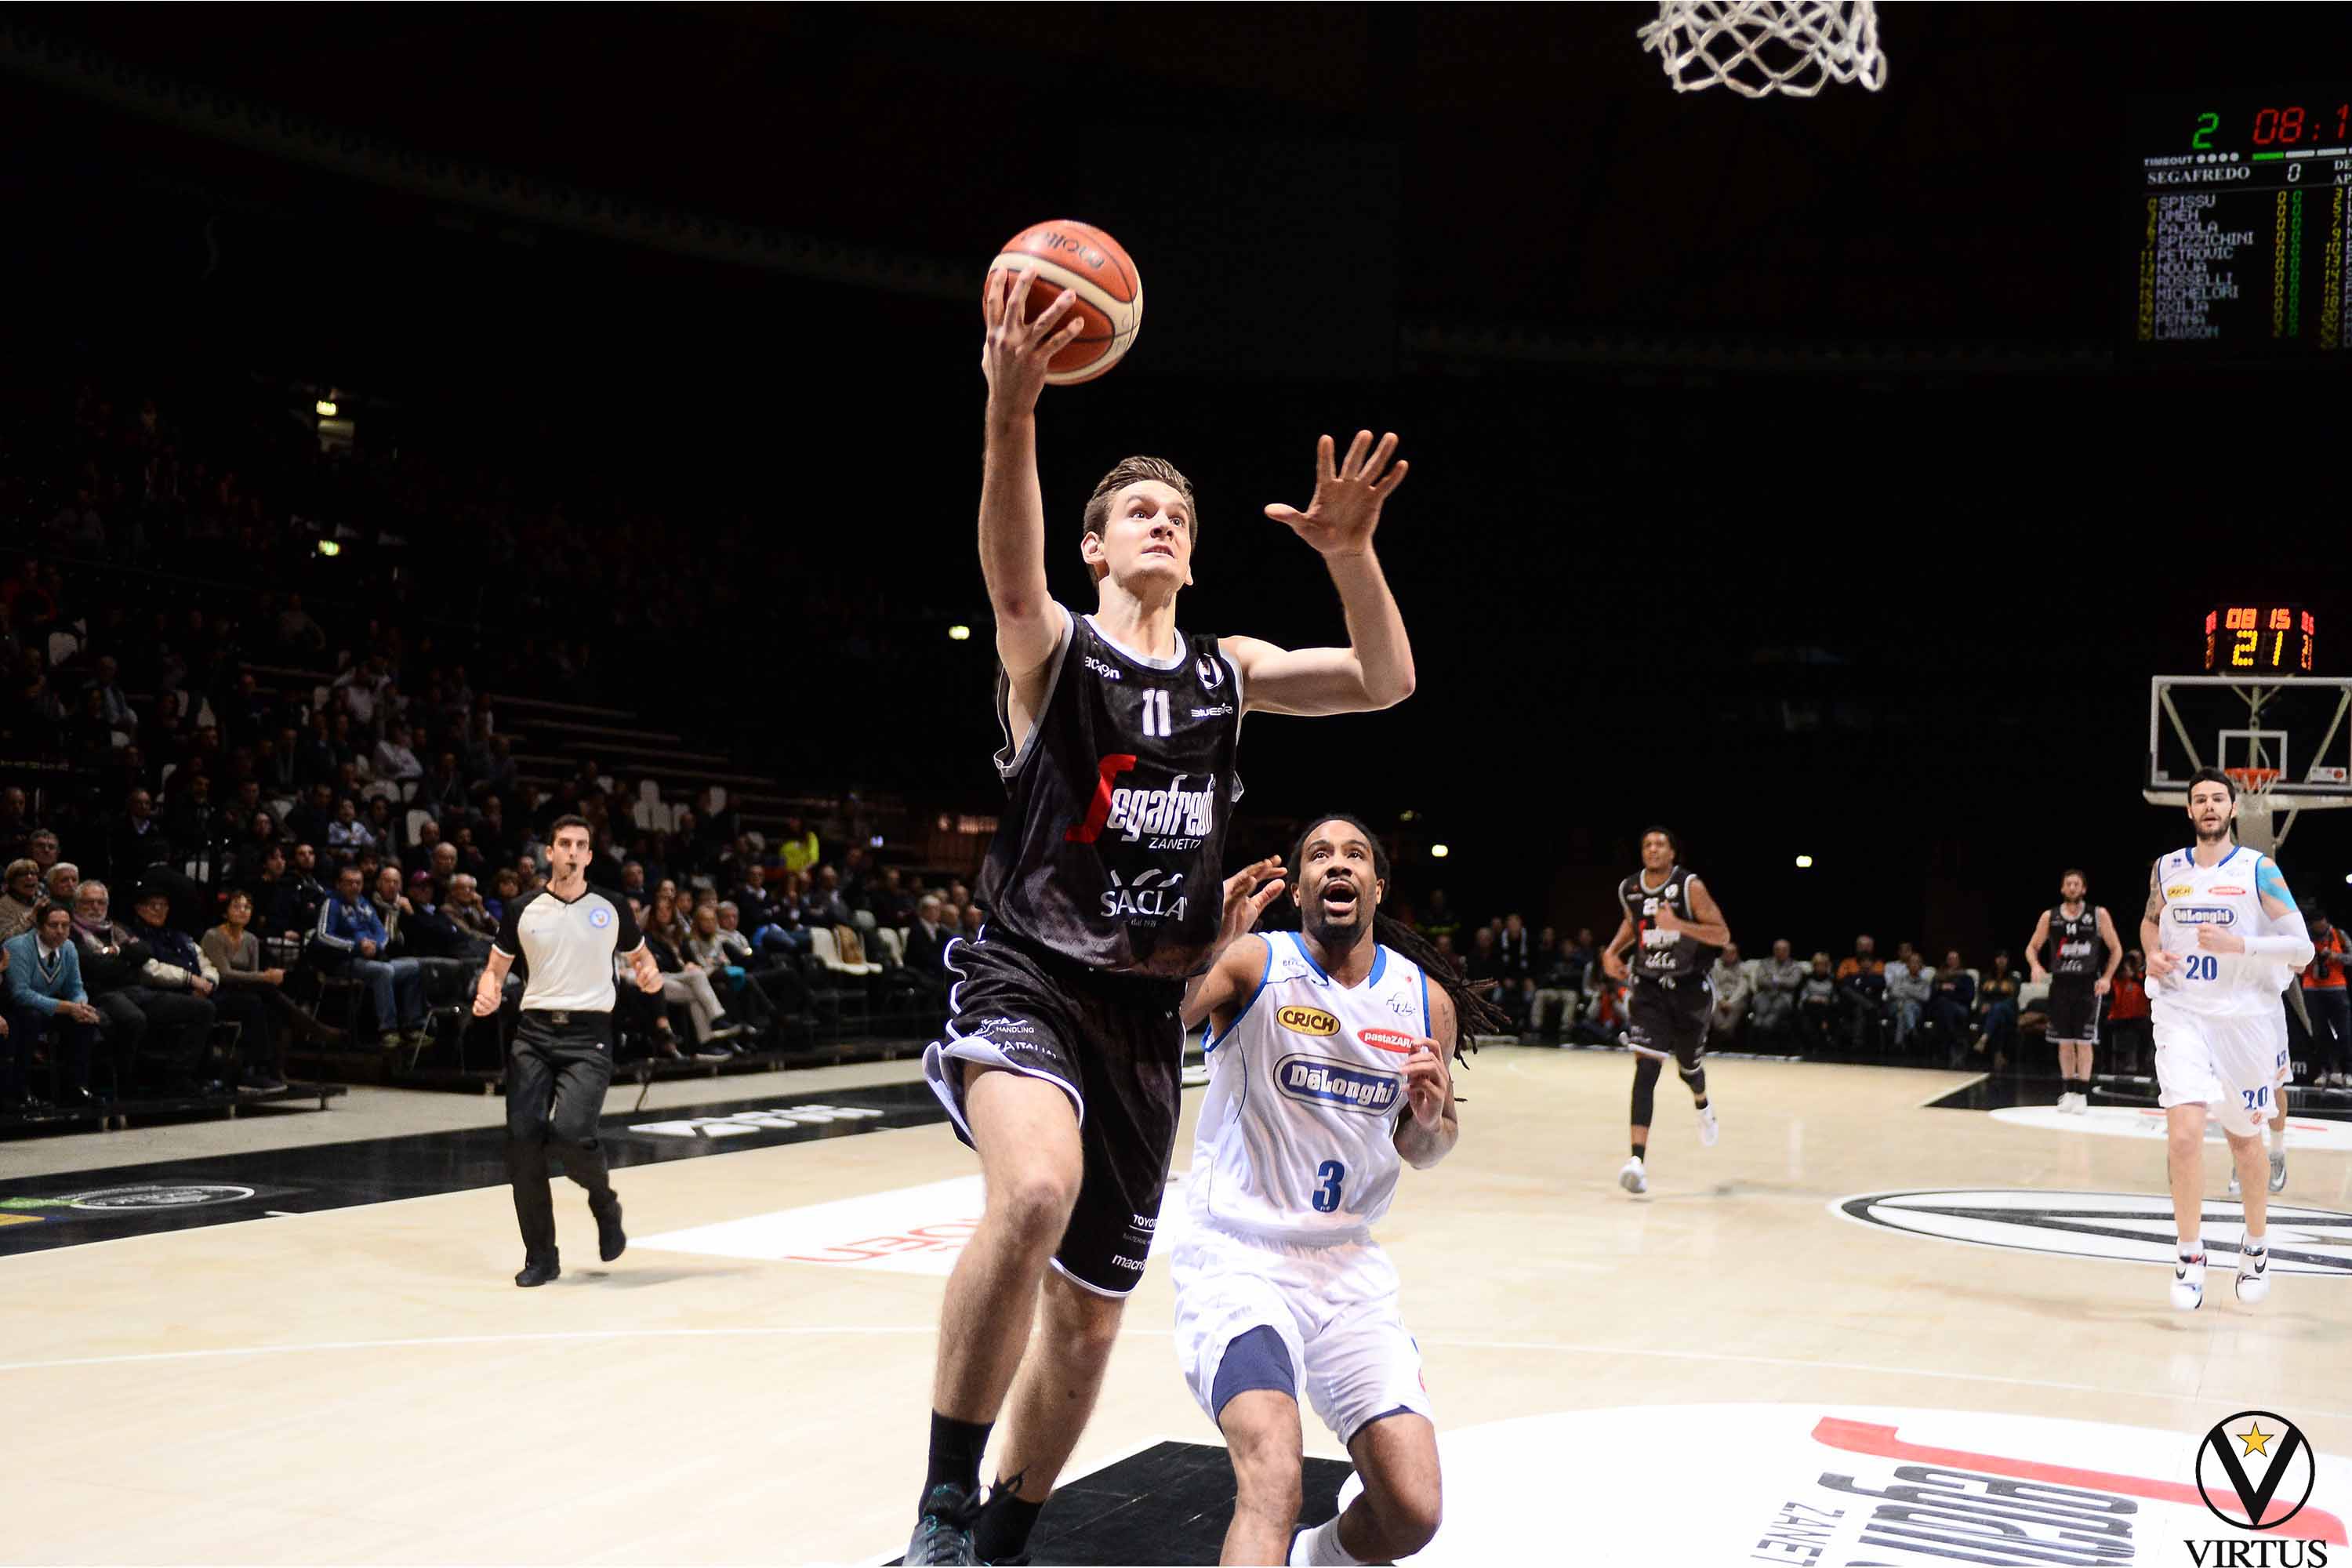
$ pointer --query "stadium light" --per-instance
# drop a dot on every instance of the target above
(326, 409)
(1439, 851)
(959, 634)
(329, 547)
(1804, 862)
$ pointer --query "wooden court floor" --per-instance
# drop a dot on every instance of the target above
(749, 1384)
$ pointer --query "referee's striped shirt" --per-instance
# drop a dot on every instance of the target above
(567, 948)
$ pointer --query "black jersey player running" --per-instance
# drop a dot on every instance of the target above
(1105, 895)
(1674, 919)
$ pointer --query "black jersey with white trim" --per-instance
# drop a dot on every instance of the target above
(1111, 849)
(1657, 954)
(2076, 950)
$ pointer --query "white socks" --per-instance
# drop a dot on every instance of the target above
(1320, 1548)
(2192, 1246)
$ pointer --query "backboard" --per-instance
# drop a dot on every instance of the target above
(2301, 727)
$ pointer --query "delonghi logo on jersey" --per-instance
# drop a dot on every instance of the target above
(1107, 671)
(1151, 896)
(1211, 672)
(1307, 1021)
(2203, 915)
(1319, 1080)
(2115, 1227)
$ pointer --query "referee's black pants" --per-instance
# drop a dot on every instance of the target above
(557, 1073)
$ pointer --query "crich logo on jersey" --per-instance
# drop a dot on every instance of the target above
(1146, 897)
(1319, 1080)
(1307, 1021)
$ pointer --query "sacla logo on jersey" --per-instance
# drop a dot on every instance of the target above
(1148, 896)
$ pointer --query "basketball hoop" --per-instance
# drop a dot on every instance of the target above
(2252, 781)
(1757, 48)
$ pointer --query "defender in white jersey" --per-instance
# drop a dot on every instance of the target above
(2223, 938)
(1326, 1074)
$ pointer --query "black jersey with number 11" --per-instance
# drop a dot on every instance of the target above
(1111, 850)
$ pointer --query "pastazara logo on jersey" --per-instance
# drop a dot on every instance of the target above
(1319, 1080)
(2203, 915)
(1307, 1021)
(1396, 1040)
(2229, 892)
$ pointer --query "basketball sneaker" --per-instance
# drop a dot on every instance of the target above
(1631, 1177)
(943, 1535)
(1708, 1130)
(2254, 1274)
(2187, 1285)
(2278, 1169)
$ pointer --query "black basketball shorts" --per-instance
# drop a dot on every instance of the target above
(2073, 1009)
(1115, 1045)
(1669, 1017)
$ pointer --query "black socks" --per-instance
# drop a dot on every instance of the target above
(1005, 1525)
(956, 1447)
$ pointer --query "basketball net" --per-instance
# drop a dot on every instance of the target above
(1757, 48)
(2256, 829)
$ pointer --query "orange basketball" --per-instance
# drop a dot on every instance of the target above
(1069, 254)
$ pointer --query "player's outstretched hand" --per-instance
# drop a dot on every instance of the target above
(1347, 496)
(1247, 892)
(1015, 352)
(1426, 1082)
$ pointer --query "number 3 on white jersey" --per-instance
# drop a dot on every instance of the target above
(1155, 714)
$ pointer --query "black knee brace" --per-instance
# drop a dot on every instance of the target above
(1646, 1087)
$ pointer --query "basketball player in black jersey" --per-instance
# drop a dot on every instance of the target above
(1672, 918)
(1104, 896)
(2075, 950)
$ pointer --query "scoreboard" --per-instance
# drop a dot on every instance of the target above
(2260, 639)
(2234, 225)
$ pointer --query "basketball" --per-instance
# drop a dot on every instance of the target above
(1064, 254)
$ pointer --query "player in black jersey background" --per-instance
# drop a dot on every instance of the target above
(1672, 924)
(2075, 950)
(1105, 895)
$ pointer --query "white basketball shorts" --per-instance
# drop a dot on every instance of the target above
(1335, 1307)
(2233, 1064)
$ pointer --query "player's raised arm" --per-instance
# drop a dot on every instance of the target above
(1240, 960)
(1375, 669)
(1429, 1129)
(1014, 357)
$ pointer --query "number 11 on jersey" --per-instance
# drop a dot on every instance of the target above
(1155, 714)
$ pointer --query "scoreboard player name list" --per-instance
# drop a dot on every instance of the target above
(2247, 260)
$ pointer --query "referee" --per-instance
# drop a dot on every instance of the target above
(567, 935)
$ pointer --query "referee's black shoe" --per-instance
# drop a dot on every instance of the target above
(538, 1270)
(610, 1241)
(944, 1532)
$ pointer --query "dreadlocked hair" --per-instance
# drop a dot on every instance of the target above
(1473, 1013)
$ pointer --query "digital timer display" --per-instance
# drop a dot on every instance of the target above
(2259, 639)
(2235, 225)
